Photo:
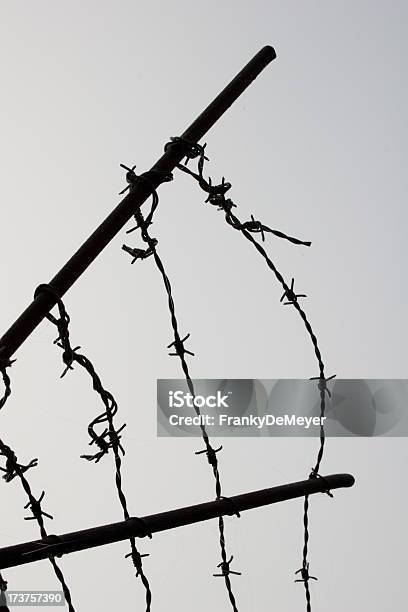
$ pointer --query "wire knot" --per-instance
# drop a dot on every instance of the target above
(225, 204)
(225, 569)
(304, 572)
(102, 444)
(69, 354)
(211, 454)
(35, 507)
(137, 560)
(179, 348)
(315, 474)
(140, 253)
(192, 149)
(216, 193)
(141, 222)
(254, 227)
(108, 439)
(13, 468)
(322, 384)
(114, 438)
(290, 295)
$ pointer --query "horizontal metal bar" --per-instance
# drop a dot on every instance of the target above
(53, 545)
(94, 245)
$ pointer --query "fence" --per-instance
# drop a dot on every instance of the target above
(105, 435)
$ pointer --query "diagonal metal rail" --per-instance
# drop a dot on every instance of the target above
(54, 545)
(94, 245)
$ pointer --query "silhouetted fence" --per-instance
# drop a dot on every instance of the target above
(105, 435)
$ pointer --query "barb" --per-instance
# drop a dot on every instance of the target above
(137, 253)
(14, 469)
(304, 572)
(180, 351)
(225, 569)
(322, 384)
(110, 437)
(179, 347)
(216, 197)
(290, 295)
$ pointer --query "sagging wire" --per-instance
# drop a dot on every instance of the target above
(14, 469)
(179, 350)
(109, 438)
(216, 196)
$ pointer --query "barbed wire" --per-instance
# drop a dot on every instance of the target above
(110, 437)
(216, 196)
(4, 364)
(179, 350)
(14, 469)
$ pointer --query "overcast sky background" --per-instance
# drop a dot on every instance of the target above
(316, 147)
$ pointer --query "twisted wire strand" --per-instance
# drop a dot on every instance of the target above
(217, 197)
(110, 437)
(180, 351)
(14, 469)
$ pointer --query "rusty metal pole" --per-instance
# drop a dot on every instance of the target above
(94, 245)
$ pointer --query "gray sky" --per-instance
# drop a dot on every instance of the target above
(315, 148)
